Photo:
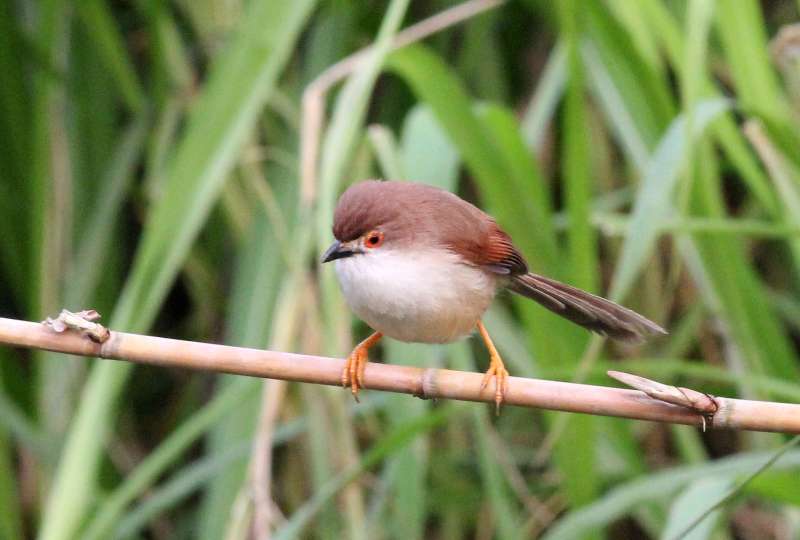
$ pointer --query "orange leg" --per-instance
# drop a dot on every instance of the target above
(497, 370)
(356, 363)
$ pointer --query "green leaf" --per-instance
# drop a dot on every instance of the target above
(655, 199)
(146, 473)
(685, 509)
(733, 288)
(178, 488)
(741, 28)
(10, 513)
(97, 18)
(255, 290)
(338, 146)
(386, 445)
(576, 160)
(426, 153)
(222, 119)
(385, 148)
(624, 498)
(543, 104)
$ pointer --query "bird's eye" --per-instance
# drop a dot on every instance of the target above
(373, 239)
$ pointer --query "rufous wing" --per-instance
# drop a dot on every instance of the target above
(499, 254)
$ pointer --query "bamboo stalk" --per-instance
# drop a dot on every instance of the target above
(668, 405)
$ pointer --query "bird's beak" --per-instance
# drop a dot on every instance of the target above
(337, 251)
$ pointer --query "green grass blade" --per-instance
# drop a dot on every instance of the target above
(663, 27)
(340, 141)
(222, 120)
(98, 20)
(506, 517)
(740, 26)
(684, 509)
(338, 147)
(545, 100)
(42, 182)
(576, 160)
(10, 513)
(642, 91)
(655, 199)
(780, 487)
(623, 499)
(427, 155)
(190, 478)
(693, 75)
(348, 114)
(256, 286)
(25, 431)
(389, 443)
(178, 488)
(734, 289)
(616, 108)
(93, 245)
(785, 176)
(15, 159)
(144, 476)
(701, 521)
(384, 146)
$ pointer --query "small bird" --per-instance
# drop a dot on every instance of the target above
(420, 264)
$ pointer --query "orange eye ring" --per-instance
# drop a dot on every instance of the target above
(373, 239)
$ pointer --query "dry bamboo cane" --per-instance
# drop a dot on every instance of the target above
(77, 334)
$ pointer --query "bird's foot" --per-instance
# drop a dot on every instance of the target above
(356, 363)
(497, 371)
(353, 372)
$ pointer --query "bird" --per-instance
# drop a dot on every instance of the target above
(419, 264)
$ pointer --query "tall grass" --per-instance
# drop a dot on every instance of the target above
(150, 169)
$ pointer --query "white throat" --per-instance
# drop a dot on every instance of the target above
(427, 296)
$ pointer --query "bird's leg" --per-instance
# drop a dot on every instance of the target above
(497, 370)
(353, 372)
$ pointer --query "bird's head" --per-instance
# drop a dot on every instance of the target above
(371, 217)
(408, 220)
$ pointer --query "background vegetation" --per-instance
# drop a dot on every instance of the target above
(151, 169)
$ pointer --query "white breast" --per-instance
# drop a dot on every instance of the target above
(419, 296)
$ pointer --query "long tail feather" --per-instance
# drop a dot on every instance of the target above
(583, 308)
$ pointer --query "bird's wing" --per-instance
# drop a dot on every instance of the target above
(500, 255)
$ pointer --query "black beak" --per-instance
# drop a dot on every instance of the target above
(336, 251)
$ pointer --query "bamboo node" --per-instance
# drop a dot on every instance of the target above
(426, 386)
(82, 321)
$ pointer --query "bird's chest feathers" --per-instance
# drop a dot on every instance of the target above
(423, 296)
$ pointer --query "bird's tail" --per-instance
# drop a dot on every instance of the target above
(583, 308)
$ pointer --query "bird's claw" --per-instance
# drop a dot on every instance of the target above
(353, 372)
(356, 364)
(500, 374)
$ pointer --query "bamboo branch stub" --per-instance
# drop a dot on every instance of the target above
(422, 382)
(82, 321)
(703, 404)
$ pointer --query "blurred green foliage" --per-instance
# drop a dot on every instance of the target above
(151, 168)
